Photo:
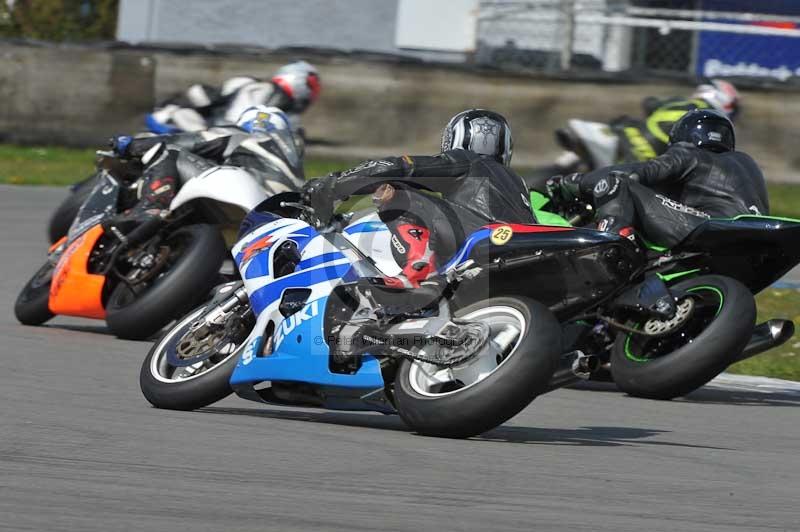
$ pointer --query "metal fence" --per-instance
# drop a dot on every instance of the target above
(684, 38)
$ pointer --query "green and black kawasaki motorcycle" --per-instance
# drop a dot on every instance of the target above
(685, 314)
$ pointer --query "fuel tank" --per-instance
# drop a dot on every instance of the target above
(568, 269)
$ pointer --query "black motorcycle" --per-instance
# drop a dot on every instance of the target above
(684, 314)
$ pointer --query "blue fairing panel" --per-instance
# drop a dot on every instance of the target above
(366, 227)
(159, 128)
(466, 248)
(302, 355)
(263, 297)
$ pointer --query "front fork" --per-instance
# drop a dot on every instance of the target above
(226, 303)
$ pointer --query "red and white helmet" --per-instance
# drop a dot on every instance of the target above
(300, 81)
(721, 95)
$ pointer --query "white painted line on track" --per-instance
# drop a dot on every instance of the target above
(748, 383)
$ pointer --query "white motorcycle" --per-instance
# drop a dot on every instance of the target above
(587, 146)
(139, 275)
(275, 172)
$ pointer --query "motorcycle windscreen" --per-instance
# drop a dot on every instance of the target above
(99, 205)
(74, 291)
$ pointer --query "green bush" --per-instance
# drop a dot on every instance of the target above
(59, 20)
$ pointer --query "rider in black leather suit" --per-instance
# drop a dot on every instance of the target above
(471, 174)
(700, 176)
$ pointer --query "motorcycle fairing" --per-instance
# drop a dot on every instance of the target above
(600, 143)
(73, 290)
(485, 233)
(99, 205)
(300, 351)
(369, 234)
(567, 269)
(154, 125)
(225, 184)
(301, 356)
(756, 250)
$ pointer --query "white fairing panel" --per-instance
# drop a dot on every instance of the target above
(226, 184)
(371, 236)
(598, 139)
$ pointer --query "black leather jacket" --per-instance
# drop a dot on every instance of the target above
(477, 188)
(720, 184)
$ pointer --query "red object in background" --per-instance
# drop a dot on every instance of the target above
(776, 24)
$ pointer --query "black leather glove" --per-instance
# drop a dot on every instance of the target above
(564, 188)
(119, 144)
(318, 194)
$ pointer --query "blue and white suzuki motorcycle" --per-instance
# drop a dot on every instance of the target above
(316, 322)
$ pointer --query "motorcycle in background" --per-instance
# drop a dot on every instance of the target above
(590, 145)
(141, 279)
(275, 172)
(689, 311)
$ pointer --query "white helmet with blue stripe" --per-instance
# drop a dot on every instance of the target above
(263, 119)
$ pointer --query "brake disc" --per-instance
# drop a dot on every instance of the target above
(199, 341)
(683, 311)
(204, 339)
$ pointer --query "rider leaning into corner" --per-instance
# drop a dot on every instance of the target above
(471, 173)
(643, 141)
(261, 143)
(700, 176)
(293, 88)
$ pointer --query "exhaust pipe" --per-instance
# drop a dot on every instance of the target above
(573, 367)
(767, 335)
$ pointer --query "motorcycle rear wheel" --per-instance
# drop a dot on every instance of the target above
(719, 328)
(487, 390)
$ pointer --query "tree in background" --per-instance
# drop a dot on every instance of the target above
(59, 20)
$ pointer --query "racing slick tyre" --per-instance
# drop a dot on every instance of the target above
(720, 321)
(190, 367)
(31, 307)
(62, 218)
(509, 371)
(196, 253)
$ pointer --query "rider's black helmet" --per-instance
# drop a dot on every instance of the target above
(480, 131)
(705, 128)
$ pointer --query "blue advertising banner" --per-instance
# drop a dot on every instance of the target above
(722, 54)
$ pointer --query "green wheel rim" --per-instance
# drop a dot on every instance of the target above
(630, 355)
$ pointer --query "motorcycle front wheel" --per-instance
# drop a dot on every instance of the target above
(32, 305)
(469, 398)
(191, 365)
(195, 255)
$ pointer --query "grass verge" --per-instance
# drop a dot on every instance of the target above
(48, 165)
(783, 362)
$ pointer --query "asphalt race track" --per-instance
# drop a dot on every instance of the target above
(80, 449)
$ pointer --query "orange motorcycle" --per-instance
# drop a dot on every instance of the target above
(139, 279)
